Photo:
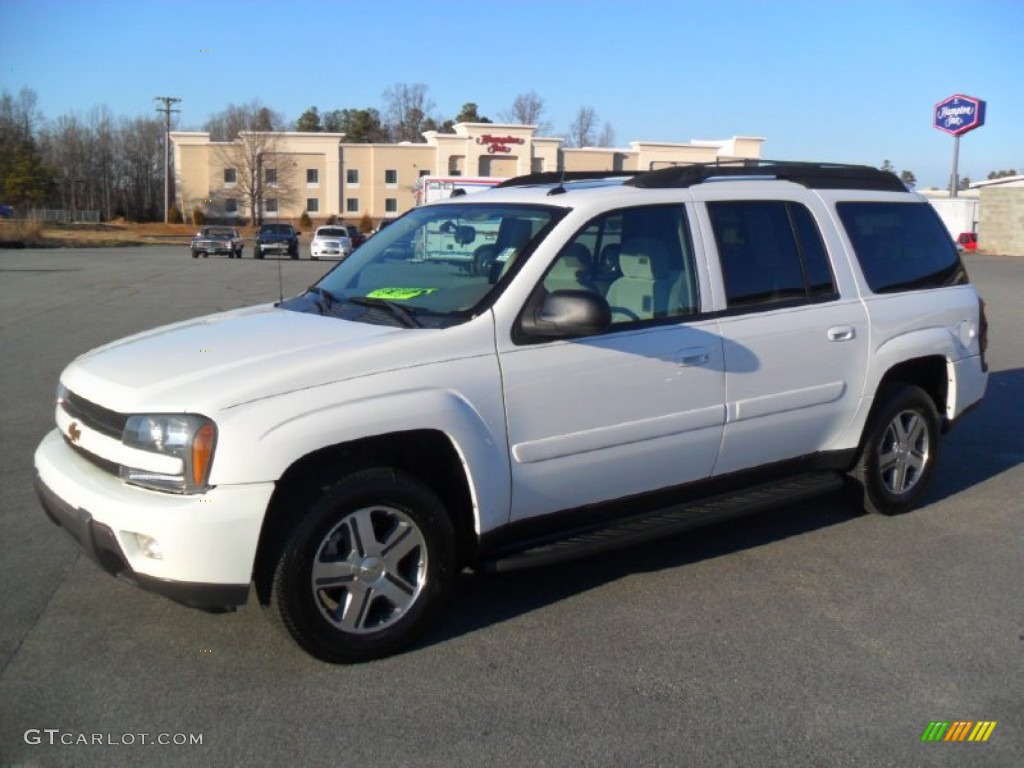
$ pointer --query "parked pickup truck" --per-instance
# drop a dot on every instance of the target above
(276, 238)
(651, 351)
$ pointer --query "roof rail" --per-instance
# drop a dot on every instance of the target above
(557, 177)
(811, 175)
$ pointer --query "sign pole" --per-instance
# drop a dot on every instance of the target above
(957, 115)
(954, 183)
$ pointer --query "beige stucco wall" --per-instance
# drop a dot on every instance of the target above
(1001, 220)
(474, 149)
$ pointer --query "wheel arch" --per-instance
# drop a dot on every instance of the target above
(428, 454)
(930, 373)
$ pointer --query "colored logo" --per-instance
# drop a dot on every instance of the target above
(74, 432)
(959, 114)
(958, 730)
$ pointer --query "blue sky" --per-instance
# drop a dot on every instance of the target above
(841, 80)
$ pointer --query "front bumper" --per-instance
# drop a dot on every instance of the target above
(276, 245)
(207, 542)
(221, 248)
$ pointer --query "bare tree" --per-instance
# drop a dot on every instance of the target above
(235, 118)
(406, 110)
(139, 166)
(261, 172)
(581, 132)
(527, 109)
(607, 137)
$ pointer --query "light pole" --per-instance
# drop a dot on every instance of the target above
(166, 109)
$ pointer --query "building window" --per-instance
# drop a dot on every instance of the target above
(424, 172)
(230, 205)
(230, 177)
(391, 205)
(270, 205)
(352, 205)
(390, 176)
(352, 176)
(270, 175)
(312, 204)
(313, 177)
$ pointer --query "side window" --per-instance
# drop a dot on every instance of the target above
(901, 246)
(639, 259)
(820, 282)
(770, 252)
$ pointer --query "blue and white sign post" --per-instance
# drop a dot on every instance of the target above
(957, 115)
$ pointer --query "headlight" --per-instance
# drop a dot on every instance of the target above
(188, 437)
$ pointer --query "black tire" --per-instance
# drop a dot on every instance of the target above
(257, 253)
(195, 255)
(898, 453)
(483, 259)
(385, 541)
(238, 253)
(294, 253)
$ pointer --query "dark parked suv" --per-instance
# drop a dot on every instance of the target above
(277, 238)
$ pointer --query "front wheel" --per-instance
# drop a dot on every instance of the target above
(366, 569)
(898, 453)
(257, 253)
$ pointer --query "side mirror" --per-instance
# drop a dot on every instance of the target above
(569, 314)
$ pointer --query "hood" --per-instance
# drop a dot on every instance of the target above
(213, 362)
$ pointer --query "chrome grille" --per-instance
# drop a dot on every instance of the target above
(96, 417)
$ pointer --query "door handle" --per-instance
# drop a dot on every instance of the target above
(693, 356)
(842, 333)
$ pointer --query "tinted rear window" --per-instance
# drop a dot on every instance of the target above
(901, 246)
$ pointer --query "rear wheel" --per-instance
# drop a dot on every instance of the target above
(366, 569)
(899, 452)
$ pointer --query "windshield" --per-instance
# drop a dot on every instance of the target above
(331, 232)
(432, 267)
(218, 232)
(276, 229)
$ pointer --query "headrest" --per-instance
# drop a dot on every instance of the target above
(636, 266)
(643, 258)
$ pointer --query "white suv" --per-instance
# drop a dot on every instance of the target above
(628, 356)
(330, 241)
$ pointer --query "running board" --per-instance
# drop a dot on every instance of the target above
(660, 523)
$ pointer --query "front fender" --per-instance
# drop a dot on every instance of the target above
(255, 448)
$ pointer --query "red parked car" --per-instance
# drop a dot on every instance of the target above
(968, 241)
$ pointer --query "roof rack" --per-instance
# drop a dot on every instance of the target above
(811, 175)
(557, 177)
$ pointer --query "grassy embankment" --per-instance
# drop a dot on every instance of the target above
(35, 234)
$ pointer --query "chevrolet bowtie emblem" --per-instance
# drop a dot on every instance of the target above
(74, 432)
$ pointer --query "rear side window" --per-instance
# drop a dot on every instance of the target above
(771, 253)
(901, 246)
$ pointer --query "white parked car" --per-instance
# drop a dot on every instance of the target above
(330, 242)
(628, 357)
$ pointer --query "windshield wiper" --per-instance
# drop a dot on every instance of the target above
(403, 314)
(326, 301)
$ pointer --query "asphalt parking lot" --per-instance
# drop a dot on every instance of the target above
(809, 636)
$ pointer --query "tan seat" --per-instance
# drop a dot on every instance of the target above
(643, 290)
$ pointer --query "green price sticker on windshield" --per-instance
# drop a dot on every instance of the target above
(399, 294)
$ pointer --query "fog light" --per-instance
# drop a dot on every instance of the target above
(149, 546)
